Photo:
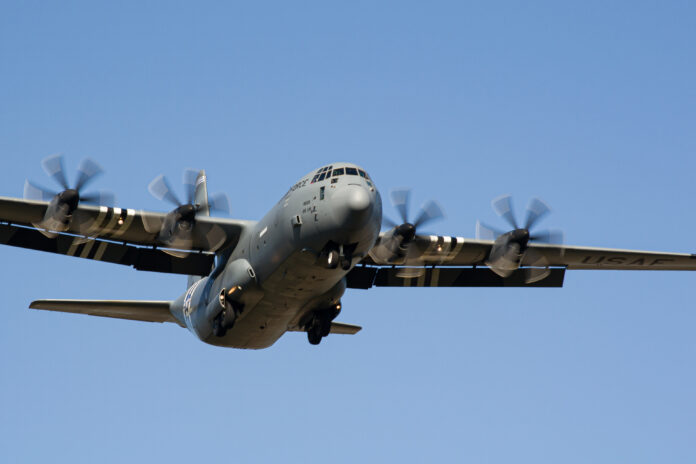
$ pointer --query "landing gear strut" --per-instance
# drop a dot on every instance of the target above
(319, 325)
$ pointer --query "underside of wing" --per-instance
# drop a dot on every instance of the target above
(148, 311)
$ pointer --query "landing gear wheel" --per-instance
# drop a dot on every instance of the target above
(332, 259)
(314, 334)
(325, 327)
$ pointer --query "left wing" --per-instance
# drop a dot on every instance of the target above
(116, 235)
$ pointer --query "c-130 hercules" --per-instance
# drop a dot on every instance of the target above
(250, 282)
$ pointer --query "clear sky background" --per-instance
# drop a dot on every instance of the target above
(591, 106)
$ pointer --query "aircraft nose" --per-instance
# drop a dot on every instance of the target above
(353, 206)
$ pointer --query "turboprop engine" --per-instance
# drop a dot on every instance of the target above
(397, 245)
(59, 212)
(510, 249)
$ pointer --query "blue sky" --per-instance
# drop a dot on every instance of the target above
(591, 106)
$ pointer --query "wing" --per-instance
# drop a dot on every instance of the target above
(148, 311)
(116, 235)
(457, 262)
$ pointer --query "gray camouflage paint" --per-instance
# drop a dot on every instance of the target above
(277, 263)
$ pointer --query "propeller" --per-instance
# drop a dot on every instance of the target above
(510, 250)
(400, 244)
(62, 204)
(178, 228)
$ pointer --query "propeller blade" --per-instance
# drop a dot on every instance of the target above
(387, 250)
(214, 237)
(53, 166)
(88, 170)
(219, 203)
(413, 258)
(554, 237)
(503, 207)
(34, 192)
(388, 222)
(190, 176)
(180, 246)
(431, 211)
(400, 200)
(486, 232)
(535, 211)
(536, 266)
(99, 199)
(160, 189)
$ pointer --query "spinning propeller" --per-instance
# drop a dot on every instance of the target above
(62, 204)
(398, 244)
(177, 230)
(510, 250)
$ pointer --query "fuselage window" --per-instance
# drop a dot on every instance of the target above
(321, 193)
(338, 172)
(352, 171)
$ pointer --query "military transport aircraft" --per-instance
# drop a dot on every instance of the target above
(250, 282)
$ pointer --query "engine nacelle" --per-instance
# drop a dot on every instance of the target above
(507, 252)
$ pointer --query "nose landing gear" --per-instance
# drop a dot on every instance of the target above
(335, 254)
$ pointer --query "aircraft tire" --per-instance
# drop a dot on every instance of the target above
(219, 329)
(332, 259)
(314, 334)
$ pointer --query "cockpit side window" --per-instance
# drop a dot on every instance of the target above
(363, 174)
(338, 172)
(321, 176)
(352, 171)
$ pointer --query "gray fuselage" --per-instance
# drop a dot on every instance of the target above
(281, 270)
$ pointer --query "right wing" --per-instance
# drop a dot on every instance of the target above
(116, 235)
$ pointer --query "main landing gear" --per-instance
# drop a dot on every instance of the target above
(319, 325)
(226, 318)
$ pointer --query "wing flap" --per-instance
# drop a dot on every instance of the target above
(147, 311)
(366, 277)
